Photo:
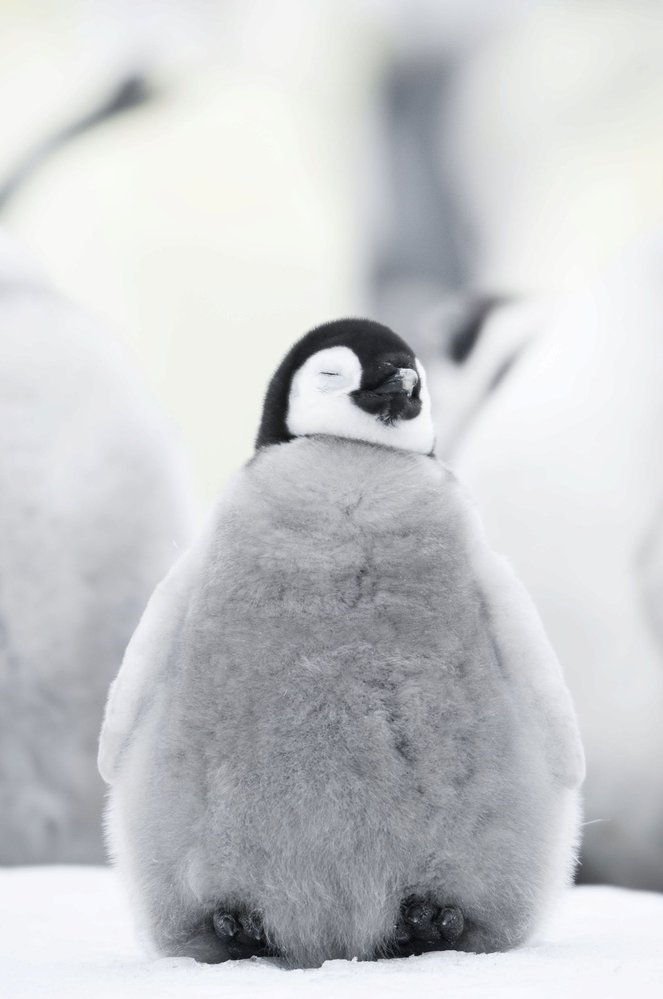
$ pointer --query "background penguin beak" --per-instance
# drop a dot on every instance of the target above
(403, 380)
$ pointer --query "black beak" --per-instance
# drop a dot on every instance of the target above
(404, 380)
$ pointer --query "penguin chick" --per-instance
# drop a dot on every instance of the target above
(339, 730)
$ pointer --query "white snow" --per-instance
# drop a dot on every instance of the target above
(67, 931)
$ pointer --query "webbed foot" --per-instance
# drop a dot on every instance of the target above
(241, 933)
(424, 926)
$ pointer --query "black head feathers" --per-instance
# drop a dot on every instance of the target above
(388, 378)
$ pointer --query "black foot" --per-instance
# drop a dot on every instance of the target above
(241, 933)
(425, 926)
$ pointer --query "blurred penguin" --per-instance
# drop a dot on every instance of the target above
(95, 503)
(554, 416)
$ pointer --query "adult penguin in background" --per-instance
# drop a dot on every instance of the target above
(339, 730)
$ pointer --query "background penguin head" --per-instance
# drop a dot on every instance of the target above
(351, 378)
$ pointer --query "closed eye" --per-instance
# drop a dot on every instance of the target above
(332, 374)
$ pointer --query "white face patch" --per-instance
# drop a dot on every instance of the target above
(320, 403)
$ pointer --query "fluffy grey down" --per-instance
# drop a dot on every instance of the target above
(338, 698)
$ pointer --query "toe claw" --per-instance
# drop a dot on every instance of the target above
(402, 934)
(225, 925)
(420, 914)
(451, 923)
(421, 917)
(414, 914)
(252, 926)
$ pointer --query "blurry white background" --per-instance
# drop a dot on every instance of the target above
(244, 204)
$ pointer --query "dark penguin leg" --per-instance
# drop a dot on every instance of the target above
(241, 935)
(424, 926)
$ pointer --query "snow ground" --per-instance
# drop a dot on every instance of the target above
(68, 932)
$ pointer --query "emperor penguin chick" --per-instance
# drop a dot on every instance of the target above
(339, 730)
